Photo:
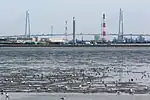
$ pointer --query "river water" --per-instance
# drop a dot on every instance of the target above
(74, 57)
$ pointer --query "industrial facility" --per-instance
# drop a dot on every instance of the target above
(52, 39)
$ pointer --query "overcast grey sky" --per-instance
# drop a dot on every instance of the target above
(44, 13)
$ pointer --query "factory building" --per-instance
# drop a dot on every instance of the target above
(12, 39)
(8, 40)
(3, 40)
(56, 41)
(24, 40)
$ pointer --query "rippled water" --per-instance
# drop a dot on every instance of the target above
(73, 57)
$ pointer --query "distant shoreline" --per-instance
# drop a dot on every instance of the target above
(63, 45)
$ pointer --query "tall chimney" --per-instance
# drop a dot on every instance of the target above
(74, 41)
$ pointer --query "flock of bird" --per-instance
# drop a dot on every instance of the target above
(5, 93)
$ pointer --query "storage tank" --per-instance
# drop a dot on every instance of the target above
(96, 38)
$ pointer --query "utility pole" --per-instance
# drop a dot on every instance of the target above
(52, 31)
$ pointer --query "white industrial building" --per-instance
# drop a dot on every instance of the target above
(57, 40)
(24, 40)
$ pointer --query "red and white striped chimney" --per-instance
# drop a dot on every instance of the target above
(104, 26)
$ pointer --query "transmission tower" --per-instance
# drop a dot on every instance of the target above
(121, 30)
(27, 25)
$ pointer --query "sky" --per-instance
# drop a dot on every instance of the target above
(88, 14)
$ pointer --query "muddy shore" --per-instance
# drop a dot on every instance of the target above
(70, 80)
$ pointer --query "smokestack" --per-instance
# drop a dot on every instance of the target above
(104, 26)
(74, 31)
(121, 30)
(66, 29)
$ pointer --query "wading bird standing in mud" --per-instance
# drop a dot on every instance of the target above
(118, 92)
(63, 98)
(2, 92)
(131, 91)
(6, 95)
